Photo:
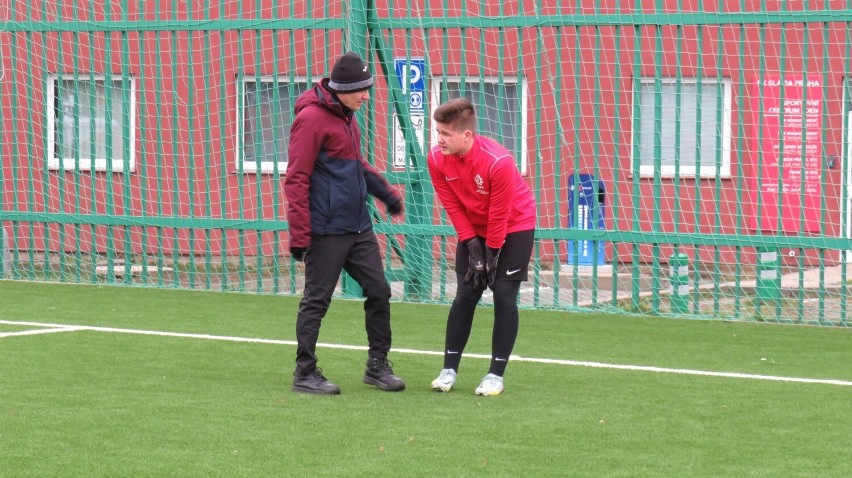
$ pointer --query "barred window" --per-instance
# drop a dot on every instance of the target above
(265, 115)
(92, 122)
(500, 109)
(684, 127)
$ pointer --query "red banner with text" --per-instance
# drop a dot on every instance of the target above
(786, 155)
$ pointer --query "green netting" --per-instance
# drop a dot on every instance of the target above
(689, 158)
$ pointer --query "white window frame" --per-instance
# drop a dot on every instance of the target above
(685, 171)
(435, 95)
(85, 163)
(240, 162)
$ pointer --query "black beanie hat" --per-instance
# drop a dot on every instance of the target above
(350, 74)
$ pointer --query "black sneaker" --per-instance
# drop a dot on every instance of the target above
(380, 374)
(314, 382)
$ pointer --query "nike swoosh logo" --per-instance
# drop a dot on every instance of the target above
(452, 352)
(498, 359)
(514, 271)
(451, 179)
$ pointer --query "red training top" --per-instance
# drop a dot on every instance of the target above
(483, 192)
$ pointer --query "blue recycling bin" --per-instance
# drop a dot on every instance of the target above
(586, 210)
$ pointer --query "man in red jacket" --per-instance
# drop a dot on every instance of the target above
(326, 186)
(493, 212)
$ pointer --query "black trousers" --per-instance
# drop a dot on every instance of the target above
(325, 259)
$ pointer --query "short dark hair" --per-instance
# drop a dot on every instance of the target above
(458, 113)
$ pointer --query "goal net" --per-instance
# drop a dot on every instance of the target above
(687, 158)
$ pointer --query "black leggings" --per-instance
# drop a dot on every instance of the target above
(504, 333)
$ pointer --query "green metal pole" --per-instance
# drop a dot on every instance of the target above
(679, 281)
(356, 41)
(418, 254)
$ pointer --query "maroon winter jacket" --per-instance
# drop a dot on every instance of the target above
(327, 178)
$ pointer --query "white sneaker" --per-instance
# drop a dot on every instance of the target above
(445, 381)
(490, 386)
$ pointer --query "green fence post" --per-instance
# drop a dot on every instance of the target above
(417, 263)
(679, 281)
(5, 263)
(356, 41)
(768, 275)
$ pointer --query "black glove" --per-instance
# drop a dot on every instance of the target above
(491, 257)
(395, 209)
(476, 264)
(298, 253)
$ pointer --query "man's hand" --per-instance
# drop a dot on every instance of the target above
(476, 264)
(395, 209)
(491, 257)
(298, 253)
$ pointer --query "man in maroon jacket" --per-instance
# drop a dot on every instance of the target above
(330, 226)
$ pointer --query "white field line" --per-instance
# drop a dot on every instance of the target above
(575, 363)
(39, 331)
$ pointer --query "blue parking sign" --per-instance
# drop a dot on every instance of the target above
(411, 74)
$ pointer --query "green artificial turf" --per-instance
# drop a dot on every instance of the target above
(111, 403)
